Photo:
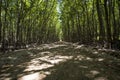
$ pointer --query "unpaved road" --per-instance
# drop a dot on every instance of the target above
(59, 61)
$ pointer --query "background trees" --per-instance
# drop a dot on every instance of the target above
(28, 21)
(90, 21)
(43, 21)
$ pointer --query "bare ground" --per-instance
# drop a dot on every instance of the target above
(60, 61)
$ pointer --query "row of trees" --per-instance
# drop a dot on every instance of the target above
(28, 21)
(91, 21)
(36, 21)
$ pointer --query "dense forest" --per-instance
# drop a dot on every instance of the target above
(59, 39)
(23, 22)
(87, 21)
(27, 21)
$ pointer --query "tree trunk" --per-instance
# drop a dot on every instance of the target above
(115, 33)
(101, 23)
(0, 21)
(107, 19)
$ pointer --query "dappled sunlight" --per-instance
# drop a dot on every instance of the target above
(45, 62)
(42, 63)
(92, 73)
(79, 57)
(63, 57)
(89, 59)
(59, 61)
(100, 59)
(101, 78)
(45, 53)
(34, 67)
(33, 76)
(79, 46)
(4, 78)
(107, 50)
(81, 66)
(5, 75)
(50, 46)
(95, 52)
(83, 57)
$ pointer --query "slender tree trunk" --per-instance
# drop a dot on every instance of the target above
(101, 23)
(0, 21)
(119, 18)
(18, 22)
(79, 28)
(115, 33)
(107, 19)
(94, 31)
(4, 37)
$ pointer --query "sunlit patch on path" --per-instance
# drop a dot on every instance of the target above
(34, 76)
(45, 62)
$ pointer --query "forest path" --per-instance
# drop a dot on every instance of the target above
(59, 61)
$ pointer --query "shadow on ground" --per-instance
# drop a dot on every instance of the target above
(59, 61)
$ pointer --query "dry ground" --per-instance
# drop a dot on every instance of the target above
(59, 61)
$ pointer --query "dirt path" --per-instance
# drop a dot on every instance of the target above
(59, 61)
